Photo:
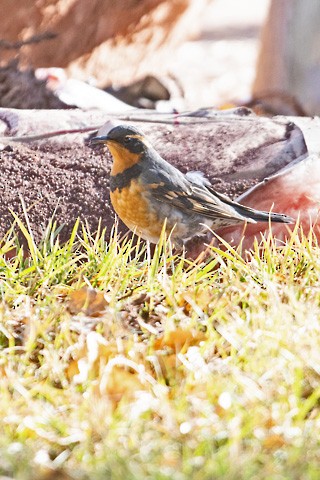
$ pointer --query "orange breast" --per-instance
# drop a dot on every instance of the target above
(131, 205)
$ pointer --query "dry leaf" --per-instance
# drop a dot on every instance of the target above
(90, 357)
(47, 473)
(273, 442)
(168, 346)
(125, 377)
(122, 382)
(72, 369)
(269, 423)
(178, 340)
(87, 300)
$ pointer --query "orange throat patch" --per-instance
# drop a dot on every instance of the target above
(122, 158)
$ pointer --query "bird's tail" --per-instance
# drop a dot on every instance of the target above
(260, 216)
(255, 215)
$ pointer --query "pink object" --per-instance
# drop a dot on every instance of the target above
(295, 192)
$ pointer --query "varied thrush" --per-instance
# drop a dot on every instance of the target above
(147, 191)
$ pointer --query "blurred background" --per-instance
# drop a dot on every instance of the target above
(164, 54)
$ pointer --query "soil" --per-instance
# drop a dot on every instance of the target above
(21, 89)
(62, 184)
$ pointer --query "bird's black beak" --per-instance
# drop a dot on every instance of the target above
(99, 140)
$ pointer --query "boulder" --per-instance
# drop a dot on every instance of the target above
(289, 62)
(112, 41)
(294, 190)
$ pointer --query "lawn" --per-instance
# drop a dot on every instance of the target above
(116, 363)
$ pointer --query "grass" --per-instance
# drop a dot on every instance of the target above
(119, 364)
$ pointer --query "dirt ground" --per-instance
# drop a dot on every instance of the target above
(64, 183)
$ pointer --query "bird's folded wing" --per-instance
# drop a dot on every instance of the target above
(193, 199)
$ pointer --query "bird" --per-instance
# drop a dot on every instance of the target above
(147, 192)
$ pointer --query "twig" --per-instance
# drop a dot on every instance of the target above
(202, 116)
(7, 45)
(42, 136)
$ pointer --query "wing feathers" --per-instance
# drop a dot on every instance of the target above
(198, 200)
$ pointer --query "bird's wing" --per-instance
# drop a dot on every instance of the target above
(197, 201)
(176, 189)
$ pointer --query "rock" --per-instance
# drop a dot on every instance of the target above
(143, 93)
(289, 60)
(78, 93)
(112, 41)
(294, 190)
(65, 177)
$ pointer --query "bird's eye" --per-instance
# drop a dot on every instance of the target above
(128, 140)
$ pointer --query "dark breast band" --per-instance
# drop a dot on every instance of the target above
(123, 179)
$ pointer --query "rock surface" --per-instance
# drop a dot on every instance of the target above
(295, 190)
(289, 60)
(113, 41)
(65, 177)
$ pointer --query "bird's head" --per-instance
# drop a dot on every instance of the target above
(124, 137)
(127, 146)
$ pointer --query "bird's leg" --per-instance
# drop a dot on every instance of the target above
(198, 248)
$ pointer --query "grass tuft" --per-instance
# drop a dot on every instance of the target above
(116, 362)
